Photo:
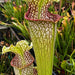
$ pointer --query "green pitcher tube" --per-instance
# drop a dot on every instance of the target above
(43, 38)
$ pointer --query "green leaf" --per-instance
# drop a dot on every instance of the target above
(73, 54)
(11, 49)
(56, 61)
(20, 47)
(63, 64)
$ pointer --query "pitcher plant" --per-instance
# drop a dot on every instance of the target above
(23, 60)
(42, 26)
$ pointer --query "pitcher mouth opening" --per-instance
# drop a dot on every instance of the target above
(24, 66)
(54, 18)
